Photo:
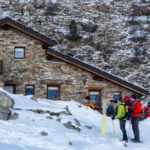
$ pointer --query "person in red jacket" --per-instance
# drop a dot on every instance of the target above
(136, 107)
(147, 109)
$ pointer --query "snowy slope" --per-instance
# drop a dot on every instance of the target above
(107, 27)
(25, 132)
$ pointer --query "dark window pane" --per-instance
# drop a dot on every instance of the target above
(52, 92)
(116, 95)
(9, 88)
(94, 97)
(29, 90)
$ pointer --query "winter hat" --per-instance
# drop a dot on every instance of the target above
(133, 96)
(88, 98)
(120, 99)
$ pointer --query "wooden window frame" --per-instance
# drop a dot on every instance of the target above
(96, 90)
(33, 88)
(11, 84)
(56, 85)
(19, 57)
(97, 105)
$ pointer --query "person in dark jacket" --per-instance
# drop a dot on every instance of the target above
(122, 116)
(136, 113)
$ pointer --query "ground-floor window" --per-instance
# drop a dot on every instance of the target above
(29, 89)
(116, 95)
(53, 92)
(95, 96)
(11, 88)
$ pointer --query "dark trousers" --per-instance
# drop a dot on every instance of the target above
(123, 129)
(135, 127)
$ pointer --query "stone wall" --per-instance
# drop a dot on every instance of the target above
(30, 70)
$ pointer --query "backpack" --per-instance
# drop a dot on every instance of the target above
(110, 111)
(144, 113)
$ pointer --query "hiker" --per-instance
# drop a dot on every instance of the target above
(110, 110)
(122, 116)
(136, 113)
(146, 110)
(127, 101)
(90, 103)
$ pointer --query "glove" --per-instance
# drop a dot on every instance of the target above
(113, 117)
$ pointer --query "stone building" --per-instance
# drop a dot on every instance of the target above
(28, 65)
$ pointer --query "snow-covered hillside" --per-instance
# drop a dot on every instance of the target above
(115, 34)
(40, 131)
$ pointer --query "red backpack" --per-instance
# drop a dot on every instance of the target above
(136, 108)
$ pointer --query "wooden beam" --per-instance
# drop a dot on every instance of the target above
(98, 78)
(51, 83)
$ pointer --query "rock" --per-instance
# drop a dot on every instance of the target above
(44, 133)
(89, 27)
(39, 111)
(5, 100)
(77, 122)
(58, 119)
(69, 113)
(39, 4)
(34, 98)
(14, 116)
(87, 126)
(141, 10)
(70, 126)
(49, 117)
(58, 113)
(4, 113)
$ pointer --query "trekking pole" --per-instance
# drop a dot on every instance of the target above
(129, 130)
(114, 132)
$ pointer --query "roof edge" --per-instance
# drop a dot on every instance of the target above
(97, 71)
(30, 32)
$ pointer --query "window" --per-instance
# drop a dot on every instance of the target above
(116, 95)
(95, 96)
(29, 89)
(19, 52)
(53, 92)
(11, 88)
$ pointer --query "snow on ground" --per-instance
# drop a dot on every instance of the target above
(24, 133)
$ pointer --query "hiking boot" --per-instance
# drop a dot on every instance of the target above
(138, 141)
(132, 139)
(126, 141)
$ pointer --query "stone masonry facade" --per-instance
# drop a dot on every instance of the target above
(30, 70)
